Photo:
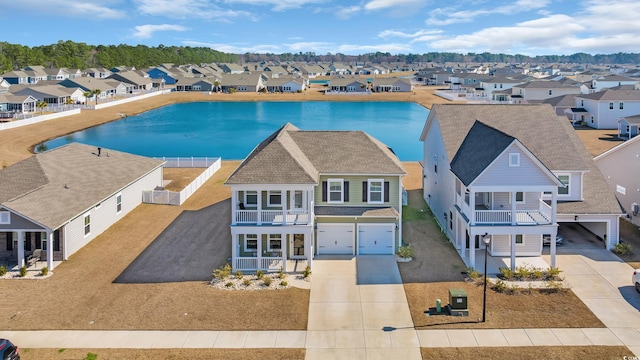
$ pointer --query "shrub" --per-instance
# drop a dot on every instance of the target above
(500, 286)
(405, 252)
(228, 284)
(222, 272)
(23, 271)
(266, 281)
(259, 274)
(537, 274)
(284, 283)
(246, 282)
(553, 273)
(307, 272)
(281, 274)
(622, 248)
(3, 270)
(44, 271)
(523, 272)
(239, 274)
(91, 356)
(553, 286)
(473, 274)
(507, 273)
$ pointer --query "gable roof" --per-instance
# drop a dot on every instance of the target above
(54, 187)
(482, 145)
(609, 94)
(294, 156)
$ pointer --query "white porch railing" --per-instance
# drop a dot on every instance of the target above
(523, 217)
(293, 217)
(266, 263)
(246, 216)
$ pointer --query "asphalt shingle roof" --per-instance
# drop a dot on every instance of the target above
(56, 186)
(294, 156)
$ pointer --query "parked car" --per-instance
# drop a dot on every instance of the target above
(636, 279)
(546, 239)
(8, 351)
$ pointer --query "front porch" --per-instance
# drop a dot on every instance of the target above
(271, 249)
(494, 263)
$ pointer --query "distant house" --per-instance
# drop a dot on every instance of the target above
(291, 200)
(392, 84)
(16, 77)
(542, 90)
(621, 169)
(628, 126)
(161, 76)
(107, 87)
(603, 109)
(609, 81)
(230, 68)
(133, 80)
(98, 73)
(286, 85)
(196, 84)
(349, 85)
(16, 104)
(54, 94)
(246, 82)
(489, 86)
(97, 187)
(313, 71)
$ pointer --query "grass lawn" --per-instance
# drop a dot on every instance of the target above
(180, 177)
(162, 354)
(437, 267)
(82, 293)
(529, 352)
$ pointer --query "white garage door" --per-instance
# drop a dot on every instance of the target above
(335, 239)
(376, 239)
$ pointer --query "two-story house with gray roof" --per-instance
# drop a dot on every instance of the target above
(512, 174)
(305, 193)
(603, 109)
(58, 201)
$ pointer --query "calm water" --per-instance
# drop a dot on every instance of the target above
(232, 129)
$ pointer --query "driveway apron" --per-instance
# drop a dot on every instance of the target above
(603, 282)
(358, 310)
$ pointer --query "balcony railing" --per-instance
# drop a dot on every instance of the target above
(523, 217)
(293, 217)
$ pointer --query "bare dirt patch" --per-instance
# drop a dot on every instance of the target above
(598, 141)
(528, 352)
(168, 354)
(82, 293)
(180, 177)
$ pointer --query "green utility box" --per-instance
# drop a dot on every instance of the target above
(457, 299)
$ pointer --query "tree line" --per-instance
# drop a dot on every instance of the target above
(69, 54)
(79, 55)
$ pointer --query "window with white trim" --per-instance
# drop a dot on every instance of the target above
(565, 180)
(297, 199)
(334, 187)
(251, 198)
(519, 197)
(520, 240)
(251, 242)
(274, 198)
(610, 106)
(376, 191)
(5, 217)
(118, 203)
(87, 224)
(275, 242)
(514, 159)
(621, 105)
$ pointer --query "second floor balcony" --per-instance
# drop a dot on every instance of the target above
(497, 209)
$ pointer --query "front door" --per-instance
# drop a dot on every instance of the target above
(296, 247)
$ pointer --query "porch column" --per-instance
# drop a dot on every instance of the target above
(234, 250)
(308, 247)
(259, 251)
(234, 206)
(284, 247)
(514, 210)
(50, 250)
(20, 249)
(512, 237)
(472, 250)
(472, 207)
(552, 250)
(259, 208)
(283, 200)
(554, 212)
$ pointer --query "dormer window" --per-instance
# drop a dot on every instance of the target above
(565, 180)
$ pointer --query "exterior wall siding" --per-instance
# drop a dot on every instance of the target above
(501, 174)
(355, 191)
(501, 245)
(438, 187)
(18, 222)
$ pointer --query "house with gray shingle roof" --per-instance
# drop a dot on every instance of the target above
(304, 193)
(603, 109)
(512, 174)
(60, 200)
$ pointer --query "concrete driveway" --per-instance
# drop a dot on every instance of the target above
(603, 282)
(358, 310)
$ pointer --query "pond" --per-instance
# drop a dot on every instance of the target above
(232, 129)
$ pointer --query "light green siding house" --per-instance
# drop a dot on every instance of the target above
(305, 193)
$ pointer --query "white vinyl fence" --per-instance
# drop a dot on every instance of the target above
(165, 197)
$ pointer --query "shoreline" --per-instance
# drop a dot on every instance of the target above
(19, 143)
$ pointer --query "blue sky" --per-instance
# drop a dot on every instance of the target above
(529, 27)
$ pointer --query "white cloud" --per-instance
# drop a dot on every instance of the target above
(351, 49)
(385, 4)
(146, 31)
(418, 34)
(184, 9)
(74, 8)
(346, 12)
(449, 15)
(277, 5)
